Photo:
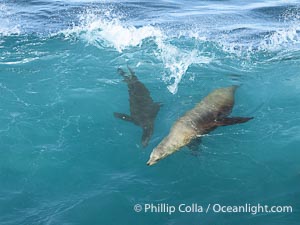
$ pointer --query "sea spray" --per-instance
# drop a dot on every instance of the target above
(109, 31)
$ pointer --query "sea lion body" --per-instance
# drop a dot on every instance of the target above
(143, 110)
(206, 116)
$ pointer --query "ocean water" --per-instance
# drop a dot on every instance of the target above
(64, 157)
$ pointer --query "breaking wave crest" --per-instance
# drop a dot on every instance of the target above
(7, 23)
(176, 46)
(286, 36)
(107, 31)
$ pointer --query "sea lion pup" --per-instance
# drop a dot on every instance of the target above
(207, 115)
(143, 109)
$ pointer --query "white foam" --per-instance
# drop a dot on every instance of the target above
(107, 30)
(280, 38)
(206, 7)
(177, 61)
(23, 61)
(289, 35)
(7, 26)
(110, 32)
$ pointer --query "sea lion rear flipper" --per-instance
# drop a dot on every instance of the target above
(145, 138)
(123, 116)
(156, 107)
(232, 120)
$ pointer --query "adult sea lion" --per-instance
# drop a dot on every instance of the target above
(143, 109)
(206, 116)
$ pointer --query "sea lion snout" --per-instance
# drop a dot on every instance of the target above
(154, 157)
(152, 161)
(158, 153)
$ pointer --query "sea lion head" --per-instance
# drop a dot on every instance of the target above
(157, 154)
(178, 137)
(161, 151)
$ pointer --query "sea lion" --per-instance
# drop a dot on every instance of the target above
(206, 116)
(143, 109)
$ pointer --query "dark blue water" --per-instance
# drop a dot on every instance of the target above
(65, 159)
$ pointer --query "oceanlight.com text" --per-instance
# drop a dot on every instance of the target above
(214, 208)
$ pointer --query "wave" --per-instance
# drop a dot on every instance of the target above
(23, 61)
(109, 31)
(100, 31)
(286, 36)
(177, 45)
(281, 38)
(177, 61)
(7, 24)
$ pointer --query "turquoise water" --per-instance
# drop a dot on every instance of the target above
(64, 157)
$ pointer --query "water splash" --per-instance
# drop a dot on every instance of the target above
(107, 30)
(288, 35)
(7, 24)
(104, 29)
(243, 43)
(177, 61)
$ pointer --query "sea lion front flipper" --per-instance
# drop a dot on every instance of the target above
(194, 144)
(159, 104)
(123, 116)
(131, 71)
(232, 120)
(121, 72)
